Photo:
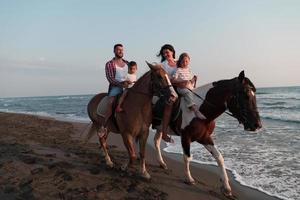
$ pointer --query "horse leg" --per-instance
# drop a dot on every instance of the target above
(157, 140)
(128, 142)
(187, 158)
(220, 160)
(103, 143)
(143, 141)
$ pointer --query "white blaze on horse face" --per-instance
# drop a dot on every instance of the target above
(252, 93)
(173, 93)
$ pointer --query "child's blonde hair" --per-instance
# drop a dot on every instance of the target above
(181, 57)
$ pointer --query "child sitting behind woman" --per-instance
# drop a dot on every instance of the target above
(131, 77)
(185, 78)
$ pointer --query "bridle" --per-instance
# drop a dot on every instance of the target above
(211, 104)
(235, 100)
(241, 111)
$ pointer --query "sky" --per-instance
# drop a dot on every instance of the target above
(60, 47)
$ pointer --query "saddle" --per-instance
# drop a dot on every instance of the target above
(102, 107)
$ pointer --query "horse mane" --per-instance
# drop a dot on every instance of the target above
(226, 83)
(248, 81)
(140, 83)
(232, 83)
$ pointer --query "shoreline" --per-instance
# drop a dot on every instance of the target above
(232, 175)
(172, 179)
(214, 171)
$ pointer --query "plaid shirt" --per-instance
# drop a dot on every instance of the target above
(110, 72)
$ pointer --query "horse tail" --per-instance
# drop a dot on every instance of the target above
(84, 129)
(92, 113)
(92, 131)
(92, 106)
(137, 138)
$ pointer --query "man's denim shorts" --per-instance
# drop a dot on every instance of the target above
(114, 91)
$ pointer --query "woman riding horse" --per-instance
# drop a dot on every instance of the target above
(134, 121)
(238, 96)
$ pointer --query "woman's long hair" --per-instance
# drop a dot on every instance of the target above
(166, 46)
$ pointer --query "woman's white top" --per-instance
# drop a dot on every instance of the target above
(169, 69)
(121, 73)
(132, 78)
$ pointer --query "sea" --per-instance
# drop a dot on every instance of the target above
(268, 160)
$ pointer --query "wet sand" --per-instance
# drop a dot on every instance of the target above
(44, 158)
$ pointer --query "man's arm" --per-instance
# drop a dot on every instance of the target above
(110, 72)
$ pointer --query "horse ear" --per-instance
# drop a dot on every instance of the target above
(242, 76)
(152, 66)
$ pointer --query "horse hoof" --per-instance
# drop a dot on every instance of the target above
(110, 164)
(163, 165)
(146, 176)
(226, 192)
(190, 182)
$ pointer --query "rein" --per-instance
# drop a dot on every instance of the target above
(213, 105)
(151, 84)
(147, 94)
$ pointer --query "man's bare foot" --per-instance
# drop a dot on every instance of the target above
(119, 109)
(167, 138)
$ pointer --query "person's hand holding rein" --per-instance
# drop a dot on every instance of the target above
(125, 84)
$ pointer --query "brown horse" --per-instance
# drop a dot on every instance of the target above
(134, 121)
(238, 96)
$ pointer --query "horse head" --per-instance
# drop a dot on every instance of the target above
(242, 103)
(161, 83)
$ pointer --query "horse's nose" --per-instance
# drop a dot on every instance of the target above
(258, 125)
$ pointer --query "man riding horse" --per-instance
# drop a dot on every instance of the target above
(115, 71)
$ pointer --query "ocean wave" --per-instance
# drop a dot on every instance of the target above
(62, 98)
(278, 118)
(279, 98)
(236, 176)
(61, 116)
(274, 103)
(280, 107)
(40, 113)
(258, 92)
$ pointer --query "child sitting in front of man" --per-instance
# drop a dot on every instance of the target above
(185, 78)
(131, 77)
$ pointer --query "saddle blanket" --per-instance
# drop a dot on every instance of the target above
(102, 107)
(187, 114)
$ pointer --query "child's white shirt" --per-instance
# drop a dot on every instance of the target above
(132, 78)
(184, 74)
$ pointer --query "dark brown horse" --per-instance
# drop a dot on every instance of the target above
(134, 121)
(238, 96)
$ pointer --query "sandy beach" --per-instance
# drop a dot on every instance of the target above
(45, 158)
